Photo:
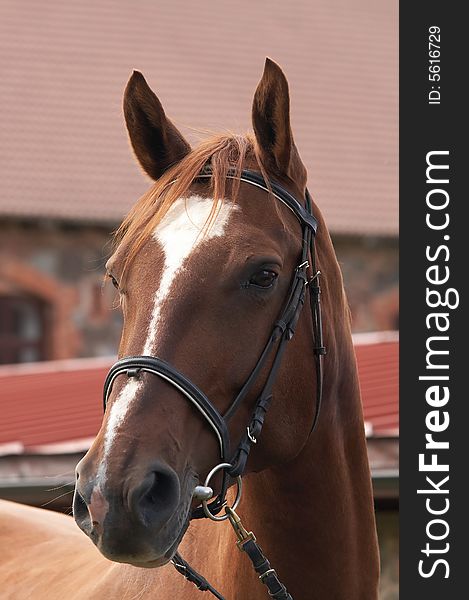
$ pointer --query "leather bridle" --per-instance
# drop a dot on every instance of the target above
(305, 276)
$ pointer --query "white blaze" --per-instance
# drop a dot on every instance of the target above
(118, 411)
(179, 233)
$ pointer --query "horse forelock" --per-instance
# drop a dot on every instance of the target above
(222, 152)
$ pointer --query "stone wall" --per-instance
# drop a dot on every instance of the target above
(64, 266)
(370, 267)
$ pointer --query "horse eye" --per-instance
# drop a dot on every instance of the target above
(263, 279)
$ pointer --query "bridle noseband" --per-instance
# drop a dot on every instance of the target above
(305, 276)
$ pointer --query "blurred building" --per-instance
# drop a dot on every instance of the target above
(67, 174)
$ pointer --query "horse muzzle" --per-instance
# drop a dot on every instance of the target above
(140, 521)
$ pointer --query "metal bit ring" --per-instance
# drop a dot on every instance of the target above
(239, 483)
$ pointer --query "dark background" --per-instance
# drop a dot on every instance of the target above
(424, 128)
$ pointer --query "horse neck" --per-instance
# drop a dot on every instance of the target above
(314, 516)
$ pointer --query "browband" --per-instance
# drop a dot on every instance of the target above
(256, 179)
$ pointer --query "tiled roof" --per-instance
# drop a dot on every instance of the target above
(60, 402)
(64, 65)
(378, 370)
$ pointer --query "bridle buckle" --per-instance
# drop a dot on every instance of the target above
(250, 436)
(241, 532)
(314, 277)
(304, 265)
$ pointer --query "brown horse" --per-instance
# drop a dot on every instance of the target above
(203, 268)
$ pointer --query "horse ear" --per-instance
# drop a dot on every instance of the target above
(156, 142)
(271, 123)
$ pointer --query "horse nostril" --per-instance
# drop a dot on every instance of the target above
(80, 511)
(152, 495)
(157, 497)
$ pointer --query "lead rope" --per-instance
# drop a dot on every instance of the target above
(246, 543)
(191, 575)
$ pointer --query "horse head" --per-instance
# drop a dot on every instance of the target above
(204, 265)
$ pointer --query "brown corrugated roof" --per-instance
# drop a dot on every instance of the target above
(56, 402)
(64, 65)
(378, 370)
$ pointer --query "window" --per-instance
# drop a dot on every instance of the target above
(22, 329)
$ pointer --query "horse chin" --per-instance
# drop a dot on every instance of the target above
(153, 563)
(152, 557)
(163, 560)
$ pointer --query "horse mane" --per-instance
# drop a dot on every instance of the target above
(222, 152)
